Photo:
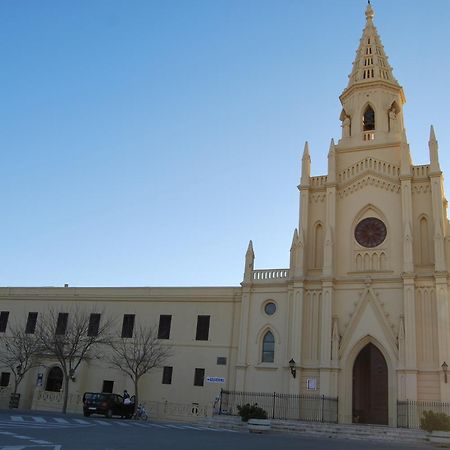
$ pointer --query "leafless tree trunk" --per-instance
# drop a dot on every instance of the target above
(72, 345)
(139, 354)
(18, 351)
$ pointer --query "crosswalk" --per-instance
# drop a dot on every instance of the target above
(51, 422)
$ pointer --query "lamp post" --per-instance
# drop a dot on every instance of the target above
(444, 369)
(292, 367)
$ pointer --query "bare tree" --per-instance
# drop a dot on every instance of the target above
(18, 351)
(72, 337)
(139, 354)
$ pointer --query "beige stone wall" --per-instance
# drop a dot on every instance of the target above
(184, 304)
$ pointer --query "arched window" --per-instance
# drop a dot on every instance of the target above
(268, 347)
(54, 379)
(369, 119)
(424, 242)
(318, 247)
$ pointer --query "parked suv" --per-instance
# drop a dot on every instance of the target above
(107, 404)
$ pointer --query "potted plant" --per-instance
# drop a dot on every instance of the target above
(255, 416)
(438, 427)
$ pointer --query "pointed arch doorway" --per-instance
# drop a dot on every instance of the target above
(370, 387)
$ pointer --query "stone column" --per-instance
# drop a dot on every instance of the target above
(409, 339)
(295, 334)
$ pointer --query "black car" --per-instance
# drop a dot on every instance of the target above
(106, 404)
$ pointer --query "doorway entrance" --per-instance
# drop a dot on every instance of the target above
(370, 387)
(54, 379)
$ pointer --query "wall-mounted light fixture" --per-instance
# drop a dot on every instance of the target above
(292, 367)
(444, 369)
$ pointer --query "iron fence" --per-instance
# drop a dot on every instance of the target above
(409, 412)
(313, 408)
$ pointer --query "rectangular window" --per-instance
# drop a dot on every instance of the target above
(202, 328)
(221, 361)
(94, 324)
(164, 327)
(108, 386)
(4, 379)
(199, 377)
(128, 325)
(3, 320)
(30, 327)
(61, 324)
(167, 375)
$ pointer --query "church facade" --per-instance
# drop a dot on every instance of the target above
(362, 313)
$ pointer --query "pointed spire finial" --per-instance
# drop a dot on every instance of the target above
(331, 163)
(432, 135)
(250, 249)
(306, 150)
(249, 263)
(331, 147)
(369, 11)
(306, 166)
(434, 154)
(294, 239)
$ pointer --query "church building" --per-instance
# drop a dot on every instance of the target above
(361, 314)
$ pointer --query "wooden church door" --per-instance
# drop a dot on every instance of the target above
(370, 387)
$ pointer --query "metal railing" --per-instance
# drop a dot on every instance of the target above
(312, 408)
(409, 412)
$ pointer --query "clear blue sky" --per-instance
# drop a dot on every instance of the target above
(145, 142)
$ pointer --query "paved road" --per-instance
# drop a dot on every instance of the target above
(24, 431)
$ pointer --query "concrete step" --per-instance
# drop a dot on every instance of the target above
(343, 431)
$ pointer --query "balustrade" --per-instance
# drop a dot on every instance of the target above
(270, 274)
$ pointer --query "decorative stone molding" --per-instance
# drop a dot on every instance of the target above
(318, 197)
(383, 168)
(421, 171)
(422, 188)
(369, 180)
(368, 260)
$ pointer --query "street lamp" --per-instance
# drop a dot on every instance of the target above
(292, 367)
(444, 368)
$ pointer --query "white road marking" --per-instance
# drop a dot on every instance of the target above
(60, 420)
(39, 419)
(38, 441)
(17, 419)
(18, 436)
(156, 425)
(16, 447)
(122, 424)
(101, 422)
(83, 422)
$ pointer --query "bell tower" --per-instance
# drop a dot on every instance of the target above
(372, 102)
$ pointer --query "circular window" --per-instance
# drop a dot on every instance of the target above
(270, 308)
(370, 232)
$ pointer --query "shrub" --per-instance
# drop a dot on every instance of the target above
(251, 412)
(432, 421)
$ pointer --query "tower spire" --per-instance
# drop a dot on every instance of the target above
(372, 102)
(371, 63)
